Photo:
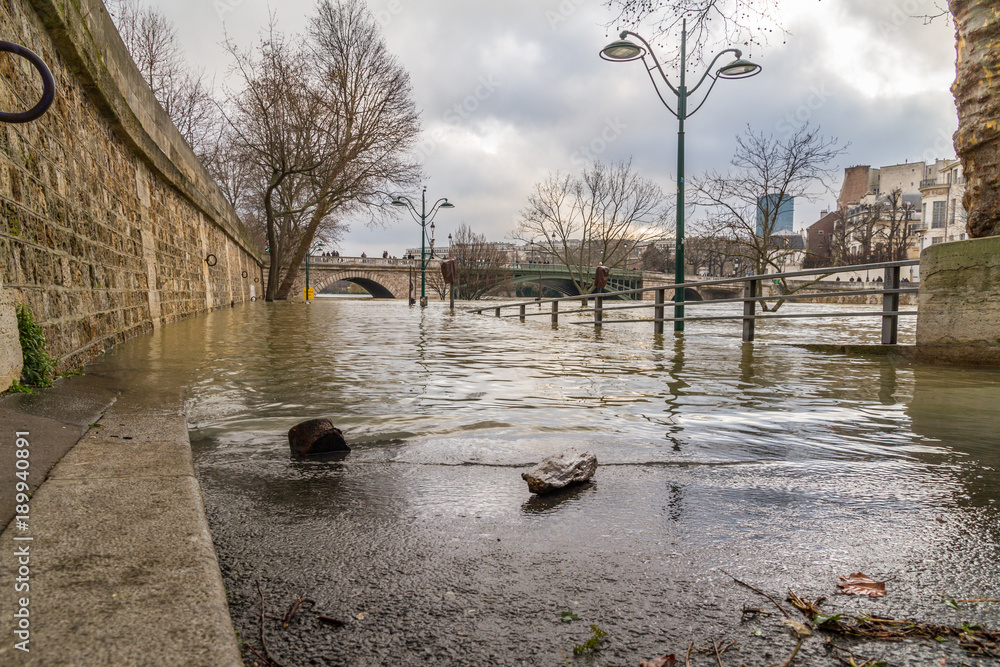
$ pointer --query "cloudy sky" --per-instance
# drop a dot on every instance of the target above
(510, 91)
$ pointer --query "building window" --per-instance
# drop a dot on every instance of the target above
(940, 211)
(936, 239)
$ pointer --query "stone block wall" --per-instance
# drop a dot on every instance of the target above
(959, 320)
(106, 215)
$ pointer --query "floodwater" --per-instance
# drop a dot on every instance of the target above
(779, 466)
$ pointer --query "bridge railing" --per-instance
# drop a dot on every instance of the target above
(891, 288)
(325, 260)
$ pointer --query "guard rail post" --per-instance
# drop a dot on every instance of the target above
(890, 304)
(749, 310)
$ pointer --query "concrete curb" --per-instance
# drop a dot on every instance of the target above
(117, 565)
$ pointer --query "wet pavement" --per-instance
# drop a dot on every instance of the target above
(782, 467)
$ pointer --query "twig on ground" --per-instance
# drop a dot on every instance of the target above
(758, 591)
(299, 601)
(795, 652)
(718, 655)
(330, 620)
(263, 644)
(752, 612)
(687, 656)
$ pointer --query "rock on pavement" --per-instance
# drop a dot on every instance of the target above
(561, 470)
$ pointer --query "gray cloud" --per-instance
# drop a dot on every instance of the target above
(510, 91)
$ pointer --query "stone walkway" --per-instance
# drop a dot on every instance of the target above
(115, 564)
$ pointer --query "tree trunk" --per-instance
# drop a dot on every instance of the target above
(977, 94)
(275, 268)
(300, 253)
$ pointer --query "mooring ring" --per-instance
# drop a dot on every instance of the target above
(211, 260)
(244, 274)
(48, 86)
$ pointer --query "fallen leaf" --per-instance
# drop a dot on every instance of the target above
(361, 616)
(800, 630)
(664, 661)
(860, 584)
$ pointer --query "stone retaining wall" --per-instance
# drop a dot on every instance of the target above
(106, 215)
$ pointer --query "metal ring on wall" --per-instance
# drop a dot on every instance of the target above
(211, 260)
(253, 298)
(256, 280)
(48, 86)
(244, 274)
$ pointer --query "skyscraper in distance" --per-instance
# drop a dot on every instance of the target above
(780, 208)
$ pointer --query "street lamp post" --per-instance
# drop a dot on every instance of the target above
(623, 51)
(308, 257)
(423, 218)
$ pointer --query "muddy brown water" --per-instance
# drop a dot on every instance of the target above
(783, 467)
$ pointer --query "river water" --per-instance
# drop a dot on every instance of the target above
(780, 466)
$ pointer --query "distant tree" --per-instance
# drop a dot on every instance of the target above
(897, 229)
(598, 217)
(744, 203)
(656, 260)
(482, 265)
(864, 228)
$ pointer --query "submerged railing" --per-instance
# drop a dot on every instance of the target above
(891, 288)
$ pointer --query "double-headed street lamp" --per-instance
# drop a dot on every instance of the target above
(624, 50)
(423, 218)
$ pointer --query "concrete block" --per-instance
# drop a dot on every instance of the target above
(959, 304)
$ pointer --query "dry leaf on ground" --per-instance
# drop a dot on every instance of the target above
(860, 584)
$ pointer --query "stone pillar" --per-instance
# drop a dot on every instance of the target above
(959, 312)
(10, 343)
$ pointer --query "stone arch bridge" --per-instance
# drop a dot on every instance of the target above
(390, 278)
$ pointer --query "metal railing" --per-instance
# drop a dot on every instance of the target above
(891, 288)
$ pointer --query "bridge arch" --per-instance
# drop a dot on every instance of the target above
(379, 285)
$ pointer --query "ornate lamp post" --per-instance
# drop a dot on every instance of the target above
(423, 218)
(622, 51)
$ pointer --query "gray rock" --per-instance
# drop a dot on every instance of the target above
(557, 472)
(316, 436)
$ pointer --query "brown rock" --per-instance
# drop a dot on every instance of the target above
(316, 436)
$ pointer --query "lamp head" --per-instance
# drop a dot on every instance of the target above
(447, 204)
(739, 69)
(396, 201)
(622, 50)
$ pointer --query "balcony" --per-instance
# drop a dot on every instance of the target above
(930, 183)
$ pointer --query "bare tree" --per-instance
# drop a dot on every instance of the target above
(272, 127)
(744, 203)
(598, 217)
(657, 260)
(735, 21)
(863, 229)
(897, 229)
(368, 123)
(840, 237)
(151, 40)
(482, 266)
